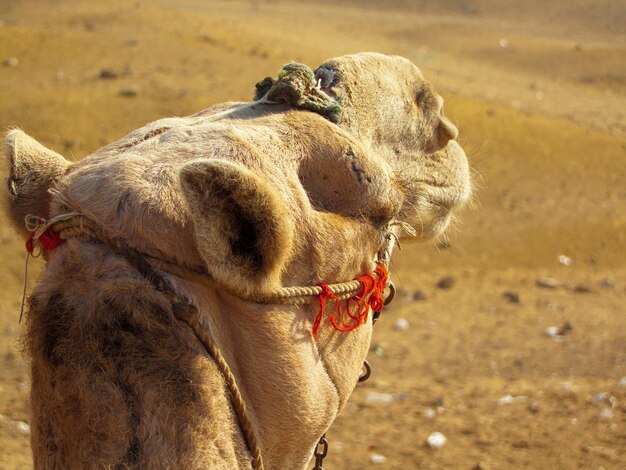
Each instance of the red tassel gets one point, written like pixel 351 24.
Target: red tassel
pixel 326 294
pixel 358 306
pixel 49 240
pixel 377 301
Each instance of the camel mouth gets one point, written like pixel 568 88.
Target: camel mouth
pixel 429 220
pixel 448 198
pixel 435 201
pixel 448 184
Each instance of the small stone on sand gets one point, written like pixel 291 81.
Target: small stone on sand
pixel 510 399
pixel 107 74
pixel 377 458
pixel 445 282
pixel 565 260
pixel 551 331
pixel 419 295
pixel 129 91
pixel 436 440
pixel 582 289
pixel 607 283
pixel 378 397
pixel 22 427
pixel 547 282
pixel 512 297
pixel 401 324
pixel 564 329
pixel 10 62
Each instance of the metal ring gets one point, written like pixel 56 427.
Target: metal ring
pixel 366 374
pixel 391 295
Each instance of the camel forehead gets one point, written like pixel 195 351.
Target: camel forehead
pixel 376 69
pixel 377 61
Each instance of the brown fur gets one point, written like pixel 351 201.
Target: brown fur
pixel 261 198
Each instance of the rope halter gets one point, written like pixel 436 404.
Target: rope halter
pixel 361 294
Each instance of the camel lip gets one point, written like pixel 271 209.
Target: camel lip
pixel 450 203
pixel 447 197
pixel 431 223
pixel 449 192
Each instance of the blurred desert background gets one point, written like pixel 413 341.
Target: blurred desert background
pixel 508 335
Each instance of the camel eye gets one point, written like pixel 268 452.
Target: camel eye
pixel 427 100
pixel 424 98
pixel 419 97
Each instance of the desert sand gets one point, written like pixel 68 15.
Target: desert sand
pixel 538 91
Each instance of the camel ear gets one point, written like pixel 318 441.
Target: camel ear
pixel 243 232
pixel 30 171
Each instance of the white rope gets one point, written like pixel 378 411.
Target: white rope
pixel 38 225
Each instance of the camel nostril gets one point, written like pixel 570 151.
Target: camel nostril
pixel 446 132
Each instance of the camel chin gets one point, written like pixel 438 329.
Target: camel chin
pixel 438 192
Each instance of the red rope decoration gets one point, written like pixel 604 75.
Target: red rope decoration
pixel 358 306
pixel 48 240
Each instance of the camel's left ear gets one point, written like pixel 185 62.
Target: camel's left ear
pixel 30 170
pixel 243 231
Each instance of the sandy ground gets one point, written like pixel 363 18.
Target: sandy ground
pixel 538 91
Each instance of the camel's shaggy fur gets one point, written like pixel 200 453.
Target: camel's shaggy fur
pixel 261 198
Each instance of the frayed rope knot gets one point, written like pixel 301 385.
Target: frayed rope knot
pixel 358 306
pixel 48 240
pixel 296 86
pixel 42 234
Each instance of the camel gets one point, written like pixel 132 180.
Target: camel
pixel 258 196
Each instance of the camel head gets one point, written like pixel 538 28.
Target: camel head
pixel 254 197
pixel 390 107
pixel 245 192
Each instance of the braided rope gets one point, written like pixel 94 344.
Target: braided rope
pixel 184 311
pixel 74 225
pixel 190 318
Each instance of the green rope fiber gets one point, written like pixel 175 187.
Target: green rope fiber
pixel 297 87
